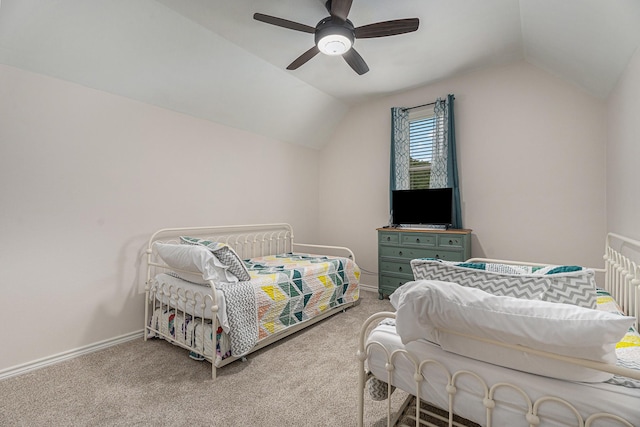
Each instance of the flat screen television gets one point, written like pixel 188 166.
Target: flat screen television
pixel 426 207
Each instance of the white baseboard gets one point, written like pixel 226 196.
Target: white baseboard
pixel 61 357
pixel 368 288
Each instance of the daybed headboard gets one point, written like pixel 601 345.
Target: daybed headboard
pixel 247 240
pixel 622 274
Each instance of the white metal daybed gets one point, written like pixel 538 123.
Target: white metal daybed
pixel 470 383
pixel 243 285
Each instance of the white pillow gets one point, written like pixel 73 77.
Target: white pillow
pixel 225 254
pixel 194 263
pixel 426 307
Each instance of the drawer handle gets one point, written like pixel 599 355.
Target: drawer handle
pixel 400 253
pixel 451 242
pixel 399 268
pixel 417 240
pixel 437 256
pixel 388 238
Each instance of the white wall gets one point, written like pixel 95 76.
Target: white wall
pixel 531 154
pixel 86 177
pixel 623 153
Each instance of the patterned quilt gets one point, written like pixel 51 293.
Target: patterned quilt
pixel 628 349
pixel 285 290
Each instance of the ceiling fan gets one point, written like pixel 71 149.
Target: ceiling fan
pixel 335 34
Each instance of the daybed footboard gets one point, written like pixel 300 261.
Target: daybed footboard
pixel 447 381
pixel 488 394
pixel 215 319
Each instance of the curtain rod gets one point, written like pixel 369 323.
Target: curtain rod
pixel 418 106
pixel 423 105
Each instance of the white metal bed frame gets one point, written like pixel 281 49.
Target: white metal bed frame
pixel 248 241
pixel 622 281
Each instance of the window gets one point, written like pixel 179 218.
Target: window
pixel 422 123
pixel 423 150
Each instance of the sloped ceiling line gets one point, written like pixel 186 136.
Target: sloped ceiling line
pixel 210 59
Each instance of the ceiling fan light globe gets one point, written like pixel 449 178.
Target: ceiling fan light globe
pixel 334 44
pixel 334 38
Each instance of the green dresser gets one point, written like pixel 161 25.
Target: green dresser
pixel 397 247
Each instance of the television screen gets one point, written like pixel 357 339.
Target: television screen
pixel 431 206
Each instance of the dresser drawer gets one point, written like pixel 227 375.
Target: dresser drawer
pixel 450 241
pixel 388 284
pixel 391 238
pixel 398 268
pixel 448 255
pixel 418 239
pixel 406 252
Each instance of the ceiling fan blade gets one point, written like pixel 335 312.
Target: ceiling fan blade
pixel 387 28
pixel 356 62
pixel 302 59
pixel 340 9
pixel 285 23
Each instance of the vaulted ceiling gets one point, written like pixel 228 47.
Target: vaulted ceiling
pixel 212 60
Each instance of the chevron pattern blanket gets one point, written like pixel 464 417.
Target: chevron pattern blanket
pixel 564 284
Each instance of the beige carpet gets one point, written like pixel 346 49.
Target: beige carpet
pixel 309 379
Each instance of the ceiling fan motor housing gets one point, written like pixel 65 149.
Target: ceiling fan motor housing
pixel 334 38
pixel 335 34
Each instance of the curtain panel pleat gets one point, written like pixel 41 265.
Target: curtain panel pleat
pixel 444 169
pixel 452 165
pixel 440 152
pixel 400 150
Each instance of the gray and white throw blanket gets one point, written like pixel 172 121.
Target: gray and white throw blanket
pixel 241 305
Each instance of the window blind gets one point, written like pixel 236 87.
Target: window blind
pixel 421 134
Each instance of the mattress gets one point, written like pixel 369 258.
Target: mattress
pixel 284 290
pixel 587 398
pixel 330 280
